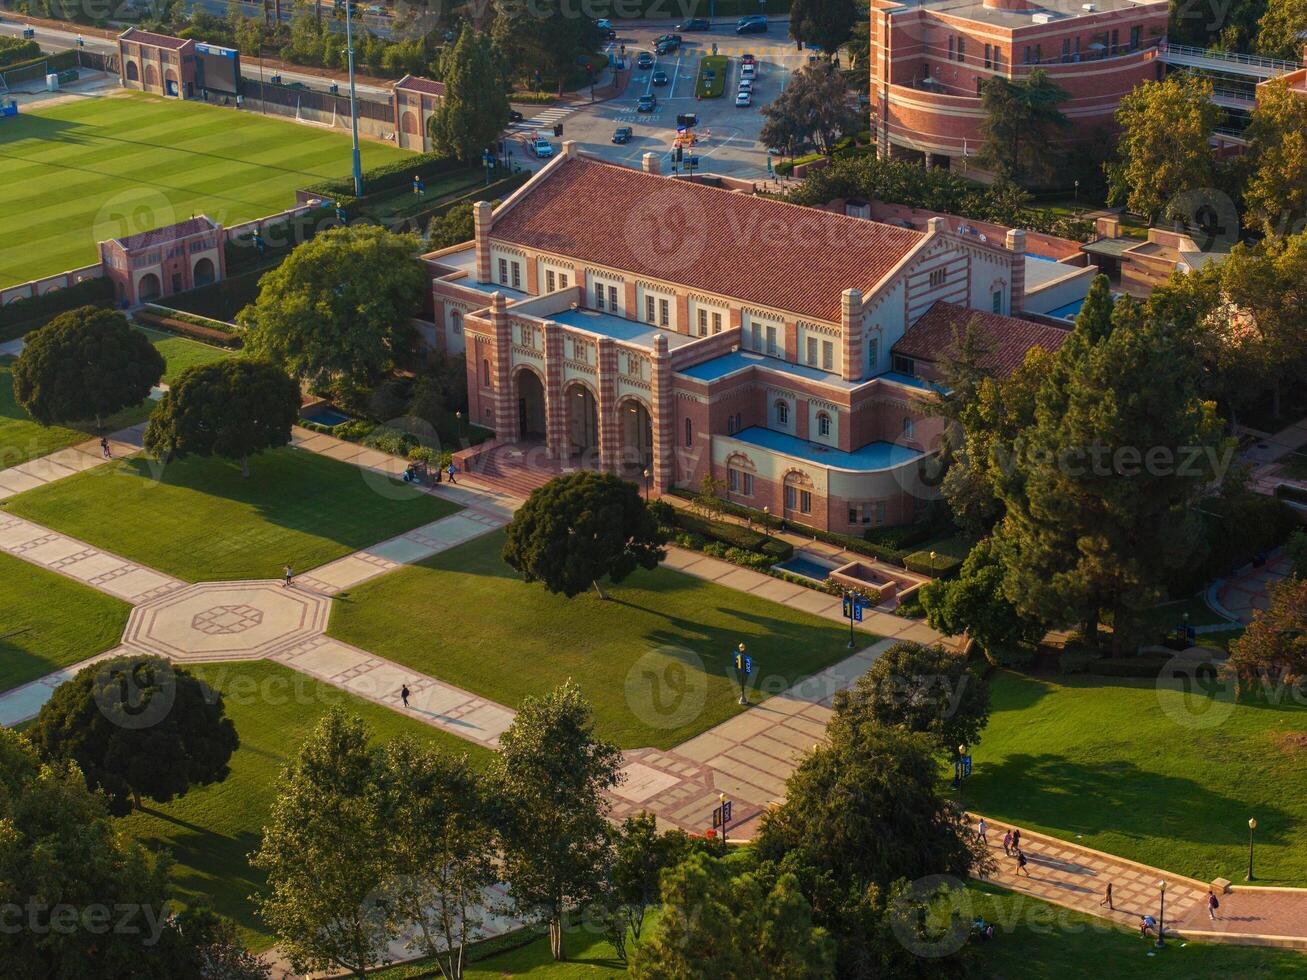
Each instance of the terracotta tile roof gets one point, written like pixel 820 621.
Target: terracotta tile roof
pixel 413 83
pixel 1008 338
pixel 156 40
pixel 749 248
pixel 168 233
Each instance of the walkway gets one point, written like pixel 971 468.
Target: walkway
pixel 1243 594
pixel 57 465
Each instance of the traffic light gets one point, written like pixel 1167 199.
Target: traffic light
pixel 680 155
pixel 687 119
pixel 558 129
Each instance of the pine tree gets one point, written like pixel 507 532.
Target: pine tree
pixel 474 109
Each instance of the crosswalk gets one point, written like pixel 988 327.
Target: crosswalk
pixel 545 119
pixel 734 51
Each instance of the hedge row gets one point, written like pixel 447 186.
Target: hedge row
pixel 221 300
pixel 14 50
pixel 57 62
pixel 941 566
pixel 734 535
pixel 279 237
pixel 187 326
pixel 899 536
pixel 387 177
pixel 24 315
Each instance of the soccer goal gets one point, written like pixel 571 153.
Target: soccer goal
pixel 25 78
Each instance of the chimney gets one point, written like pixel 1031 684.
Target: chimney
pixel 650 163
pixel 1016 244
pixel 851 334
pixel 570 148
pixel 1108 227
pixel 936 226
pixel 481 213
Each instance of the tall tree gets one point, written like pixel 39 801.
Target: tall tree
pixel 85 364
pixel 474 109
pixel 719 924
pixel 234 408
pixel 544 39
pixel 1276 193
pixel 1281 30
pixel 580 528
pixel 813 110
pixel 324 850
pixel 828 24
pixel 138 726
pixel 1021 120
pixel 1165 147
pixel 340 306
pixel 1274 646
pixel 552 775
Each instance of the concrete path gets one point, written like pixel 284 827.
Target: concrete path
pixel 57 465
pixel 1242 595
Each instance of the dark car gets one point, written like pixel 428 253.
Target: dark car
pixel 695 24
pixel 660 77
pixel 647 103
pixel 514 115
pixel 622 134
pixel 667 47
pixel 645 60
pixel 751 26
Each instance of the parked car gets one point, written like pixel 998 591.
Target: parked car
pixel 645 60
pixel 667 47
pixel 622 134
pixel 748 59
pixel 695 24
pixel 743 99
pixel 514 115
pixel 660 77
pixel 542 147
pixel 647 103
pixel 749 71
pixel 746 85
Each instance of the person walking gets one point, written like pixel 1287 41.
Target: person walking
pixel 982 829
pixel 450 470
pixel 1021 863
pixel 1007 843
pixel 403 694
pixel 1213 903
pixel 1016 838
pixel 289 576
pixel 104 447
pixel 1107 898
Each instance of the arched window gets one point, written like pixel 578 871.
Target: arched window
pixel 907 427
pixel 689 436
pixel 485 372
pixel 782 412
pixel 823 424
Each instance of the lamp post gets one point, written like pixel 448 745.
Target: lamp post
pixel 1252 825
pixel 647 474
pixel 850 602
pixel 721 801
pixel 960 770
pixel 1161 914
pixel 739 669
pixel 353 98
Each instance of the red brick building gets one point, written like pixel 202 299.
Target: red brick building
pixel 415 99
pixel 636 322
pixel 163 261
pixel 928 60
pixel 156 63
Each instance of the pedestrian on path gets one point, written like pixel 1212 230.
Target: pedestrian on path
pixel 1107 898
pixel 1213 903
pixel 450 471
pixel 1016 839
pixel 289 575
pixel 1147 924
pixel 1007 843
pixel 403 694
pixel 104 447
pixel 1021 863
pixel 982 829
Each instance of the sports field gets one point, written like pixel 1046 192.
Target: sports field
pixel 94 168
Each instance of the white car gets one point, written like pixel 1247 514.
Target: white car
pixel 748 71
pixel 743 99
pixel 746 85
pixel 542 147
pixel 604 25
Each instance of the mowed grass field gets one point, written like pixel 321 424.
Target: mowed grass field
pixel 106 166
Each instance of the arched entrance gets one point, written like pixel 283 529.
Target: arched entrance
pixel 151 76
pixel 582 421
pixel 133 73
pixel 148 288
pixel 203 272
pixel 530 405
pixel 635 434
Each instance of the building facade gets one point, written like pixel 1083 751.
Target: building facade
pixel 156 63
pixel 414 100
pixel 163 261
pixel 929 59
pixel 652 325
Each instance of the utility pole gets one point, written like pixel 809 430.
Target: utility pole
pixel 353 97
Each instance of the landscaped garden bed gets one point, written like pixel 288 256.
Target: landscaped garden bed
pixel 711 80
pixel 201 328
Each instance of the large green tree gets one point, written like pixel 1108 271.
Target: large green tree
pixel 1274 647
pixel 813 111
pixel 1281 30
pixel 1276 192
pixel 543 40
pixel 828 24
pixel 85 364
pixel 138 726
pixel 325 853
pixel 340 307
pixel 552 776
pixel 234 408
pixel 474 109
pixel 1164 149
pixel 1022 119
pixel 580 528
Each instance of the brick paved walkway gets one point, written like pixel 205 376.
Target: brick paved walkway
pixel 1240 596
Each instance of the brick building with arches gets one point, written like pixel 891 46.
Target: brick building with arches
pixel 620 319
pixel 414 100
pixel 162 261
pixel 156 63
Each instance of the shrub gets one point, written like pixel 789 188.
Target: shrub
pixel 941 566
pixel 749 559
pixel 1005 656
pixel 24 315
pixel 777 549
pixel 1147 665
pixel 16 49
pixel 900 536
pixel 1075 661
pixel 387 177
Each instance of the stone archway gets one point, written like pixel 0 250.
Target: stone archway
pixel 634 435
pixel 530 396
pixel 204 272
pixel 410 122
pixel 133 73
pixel 151 76
pixel 582 421
pixel 148 288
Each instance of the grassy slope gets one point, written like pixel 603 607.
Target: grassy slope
pixel 22 439
pixel 49 621
pixel 96 168
pixel 211 830
pixel 1123 766
pixel 200 520
pixel 465 617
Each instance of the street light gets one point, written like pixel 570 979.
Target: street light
pixel 960 770
pixel 353 99
pixel 1161 914
pixel 646 484
pixel 1252 825
pixel 739 669
pixel 721 801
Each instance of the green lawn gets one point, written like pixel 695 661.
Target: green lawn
pixel 22 439
pixel 48 621
pixel 200 520
pixel 211 830
pixel 653 659
pixel 711 88
pixel 103 167
pixel 1123 766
